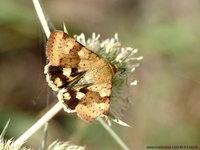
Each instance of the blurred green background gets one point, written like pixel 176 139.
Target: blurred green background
pixel 165 107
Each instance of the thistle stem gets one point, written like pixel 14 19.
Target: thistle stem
pixel 41 17
pixel 113 134
pixel 50 114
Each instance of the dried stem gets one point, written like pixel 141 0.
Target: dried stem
pixel 41 17
pixel 50 114
pixel 113 134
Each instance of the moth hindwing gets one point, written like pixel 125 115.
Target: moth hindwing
pixel 82 79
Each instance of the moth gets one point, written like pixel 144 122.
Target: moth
pixel 82 79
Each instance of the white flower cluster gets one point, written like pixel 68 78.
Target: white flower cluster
pixel 8 145
pixel 64 146
pixel 57 145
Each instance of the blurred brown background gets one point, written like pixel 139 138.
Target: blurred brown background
pixel 166 101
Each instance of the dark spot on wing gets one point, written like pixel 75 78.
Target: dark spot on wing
pixel 84 90
pixel 65 36
pixel 57 72
pixel 74 51
pixel 74 72
pixel 73 102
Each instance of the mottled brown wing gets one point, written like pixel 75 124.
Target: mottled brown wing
pixel 67 59
pixel 90 96
pixel 93 105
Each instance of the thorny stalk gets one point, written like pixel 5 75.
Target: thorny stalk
pixel 50 114
pixel 113 134
pixel 41 17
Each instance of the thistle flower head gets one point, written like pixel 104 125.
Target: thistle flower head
pixel 57 145
pixel 8 145
pixel 64 146
pixel 122 57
